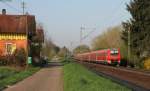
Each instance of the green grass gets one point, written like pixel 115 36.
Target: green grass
pixel 78 78
pixel 5 72
pixel 10 76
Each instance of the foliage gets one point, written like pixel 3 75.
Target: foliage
pixel 63 52
pixel 3 61
pixel 21 56
pixel 78 78
pixel 139 28
pixel 18 58
pixel 111 39
pixel 67 60
pixel 12 76
pixel 81 49
pixel 8 60
pixel 50 49
pixel 147 64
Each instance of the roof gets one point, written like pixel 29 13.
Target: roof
pixel 17 23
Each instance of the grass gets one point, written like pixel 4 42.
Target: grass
pixel 78 78
pixel 9 76
pixel 6 71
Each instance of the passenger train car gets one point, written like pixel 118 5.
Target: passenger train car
pixel 106 56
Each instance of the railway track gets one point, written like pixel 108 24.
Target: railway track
pixel 136 80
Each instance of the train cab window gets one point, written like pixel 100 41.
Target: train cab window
pixel 114 52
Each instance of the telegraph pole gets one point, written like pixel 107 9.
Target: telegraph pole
pixel 23 7
pixel 81 34
pixel 85 36
pixel 71 47
pixel 80 38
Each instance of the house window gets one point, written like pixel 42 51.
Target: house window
pixel 10 48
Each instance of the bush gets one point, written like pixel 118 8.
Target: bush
pixel 20 57
pixel 2 61
pixel 123 62
pixel 7 60
pixel 147 64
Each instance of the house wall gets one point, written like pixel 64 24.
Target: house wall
pixel 16 43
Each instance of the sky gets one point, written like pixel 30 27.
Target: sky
pixel 63 19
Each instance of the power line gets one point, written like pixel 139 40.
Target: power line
pixel 10 6
pixel 87 35
pixel 110 18
pixel 117 9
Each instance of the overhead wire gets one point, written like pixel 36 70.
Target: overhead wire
pixel 113 19
pixel 10 6
pixel 110 17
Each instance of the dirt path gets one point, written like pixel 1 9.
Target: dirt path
pixel 47 79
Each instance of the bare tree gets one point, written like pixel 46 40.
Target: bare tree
pixel 110 39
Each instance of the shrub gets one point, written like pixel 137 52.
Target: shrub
pixel 2 61
pixel 7 60
pixel 20 57
pixel 147 64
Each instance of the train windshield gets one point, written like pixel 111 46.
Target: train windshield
pixel 114 52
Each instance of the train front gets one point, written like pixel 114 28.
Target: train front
pixel 114 56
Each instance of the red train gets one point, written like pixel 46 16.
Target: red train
pixel 107 56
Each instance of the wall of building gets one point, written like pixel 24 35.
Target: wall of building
pixel 11 43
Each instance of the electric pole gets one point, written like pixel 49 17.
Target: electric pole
pixel 23 7
pixel 81 30
pixel 85 36
pixel 71 47
pixel 80 38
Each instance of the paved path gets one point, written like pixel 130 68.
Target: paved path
pixel 47 79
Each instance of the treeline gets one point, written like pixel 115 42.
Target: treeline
pixel 51 50
pixel 81 49
pixel 137 32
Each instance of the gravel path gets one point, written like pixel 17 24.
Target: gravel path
pixel 47 79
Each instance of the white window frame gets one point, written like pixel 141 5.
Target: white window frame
pixel 6 52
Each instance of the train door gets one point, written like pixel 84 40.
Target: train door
pixel 89 57
pixel 97 57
